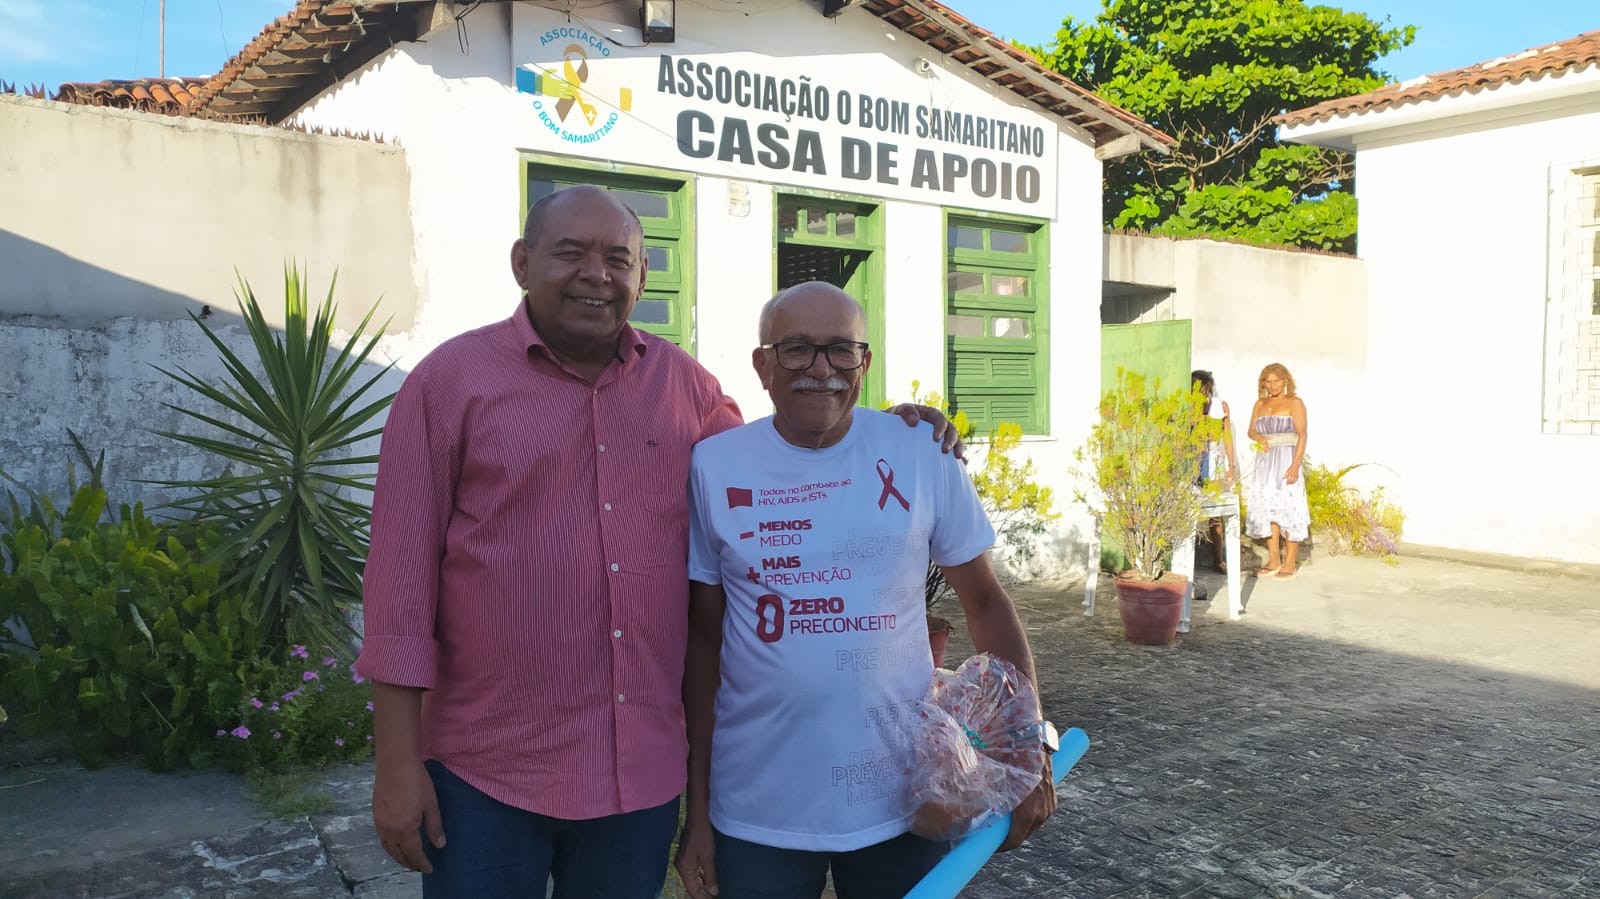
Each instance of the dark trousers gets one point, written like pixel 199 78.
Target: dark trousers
pixel 497 851
pixel 885 870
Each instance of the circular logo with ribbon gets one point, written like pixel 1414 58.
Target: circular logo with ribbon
pixel 572 101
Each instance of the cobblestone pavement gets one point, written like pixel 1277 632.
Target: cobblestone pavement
pixel 1273 757
pixel 1430 729
pixel 190 837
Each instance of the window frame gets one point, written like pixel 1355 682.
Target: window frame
pixel 1570 395
pixel 676 233
pixel 870 238
pixel 1034 307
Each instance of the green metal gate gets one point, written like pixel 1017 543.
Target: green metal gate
pixel 1155 350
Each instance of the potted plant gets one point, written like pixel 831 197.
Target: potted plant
pixel 1141 466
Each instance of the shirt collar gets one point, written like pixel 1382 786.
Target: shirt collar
pixel 630 342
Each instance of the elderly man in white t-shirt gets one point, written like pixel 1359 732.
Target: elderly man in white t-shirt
pixel 810 536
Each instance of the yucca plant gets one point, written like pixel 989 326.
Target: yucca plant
pixel 291 502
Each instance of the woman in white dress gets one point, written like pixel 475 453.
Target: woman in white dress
pixel 1276 493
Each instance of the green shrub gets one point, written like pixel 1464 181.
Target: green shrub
pixel 312 711
pixel 1143 459
pixel 1366 524
pixel 130 645
pixel 1019 508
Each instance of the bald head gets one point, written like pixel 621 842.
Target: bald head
pixel 810 301
pixel 552 203
pixel 813 358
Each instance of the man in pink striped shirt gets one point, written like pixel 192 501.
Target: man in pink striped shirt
pixel 526 595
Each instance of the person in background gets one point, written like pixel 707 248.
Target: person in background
pixel 1219 463
pixel 1276 491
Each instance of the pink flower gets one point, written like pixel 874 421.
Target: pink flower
pixel 256 702
pixel 369 705
pixel 289 696
pixel 299 652
pixel 356 676
pixel 329 662
pixel 277 735
pixel 241 732
pixel 273 707
pixel 338 741
pixel 309 676
pixel 222 733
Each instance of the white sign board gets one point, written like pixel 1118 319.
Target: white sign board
pixel 858 123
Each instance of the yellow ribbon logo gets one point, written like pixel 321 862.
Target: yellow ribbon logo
pixel 571 90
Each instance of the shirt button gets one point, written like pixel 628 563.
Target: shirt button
pixel 608 507
pixel 615 567
pixel 621 698
pixel 617 633
pixel 602 447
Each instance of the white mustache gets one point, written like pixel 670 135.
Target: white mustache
pixel 806 382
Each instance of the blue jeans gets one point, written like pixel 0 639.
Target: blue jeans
pixel 498 851
pixel 885 870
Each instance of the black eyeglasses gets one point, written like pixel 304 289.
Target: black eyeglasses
pixel 797 355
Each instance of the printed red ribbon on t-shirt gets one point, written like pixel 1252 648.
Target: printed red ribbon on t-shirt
pixel 886 475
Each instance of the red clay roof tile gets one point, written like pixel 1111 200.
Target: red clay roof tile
pixel 1572 54
pixel 144 94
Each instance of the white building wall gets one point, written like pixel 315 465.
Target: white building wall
pixel 1454 233
pixel 1252 306
pixel 116 225
pixel 464 128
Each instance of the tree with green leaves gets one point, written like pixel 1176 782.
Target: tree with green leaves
pixel 1212 74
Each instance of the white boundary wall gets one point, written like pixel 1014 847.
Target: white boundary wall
pixel 115 225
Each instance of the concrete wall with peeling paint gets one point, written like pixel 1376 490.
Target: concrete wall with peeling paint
pixel 115 225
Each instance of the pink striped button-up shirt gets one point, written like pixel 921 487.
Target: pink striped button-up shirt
pixel 528 565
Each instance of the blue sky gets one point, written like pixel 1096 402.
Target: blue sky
pixel 54 41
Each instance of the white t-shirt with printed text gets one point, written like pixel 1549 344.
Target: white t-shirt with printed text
pixel 823 556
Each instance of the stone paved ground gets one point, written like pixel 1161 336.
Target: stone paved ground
pixel 1346 738
pixel 1431 729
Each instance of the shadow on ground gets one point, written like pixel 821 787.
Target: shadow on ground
pixel 1248 760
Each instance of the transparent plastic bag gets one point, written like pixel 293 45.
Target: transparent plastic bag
pixel 972 748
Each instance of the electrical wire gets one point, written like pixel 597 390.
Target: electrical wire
pixel 461 28
pixel 227 48
pixel 138 41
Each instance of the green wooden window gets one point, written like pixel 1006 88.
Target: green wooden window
pixel 996 322
pixel 838 240
pixel 664 205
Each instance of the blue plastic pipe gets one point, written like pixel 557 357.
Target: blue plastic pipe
pixel 963 861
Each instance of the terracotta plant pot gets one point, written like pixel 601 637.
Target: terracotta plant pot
pixel 1151 609
pixel 938 638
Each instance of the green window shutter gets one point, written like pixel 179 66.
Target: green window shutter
pixel 996 316
pixel 664 204
pixel 839 240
